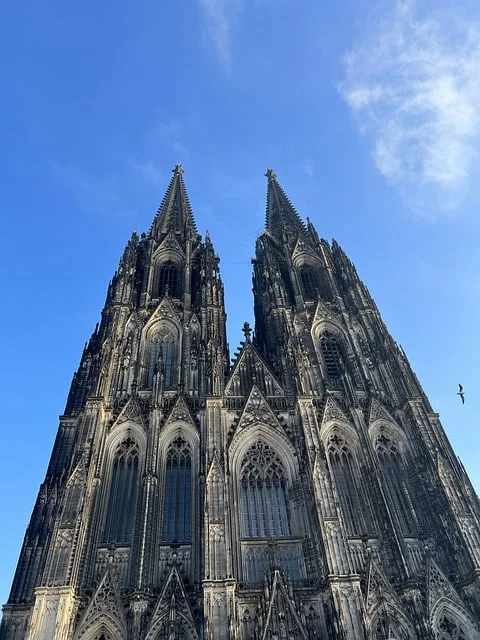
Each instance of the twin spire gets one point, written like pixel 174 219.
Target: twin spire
pixel 175 213
pixel 281 215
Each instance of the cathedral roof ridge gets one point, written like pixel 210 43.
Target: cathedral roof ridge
pixel 248 354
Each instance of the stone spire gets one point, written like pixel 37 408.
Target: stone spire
pixel 174 213
pixel 281 215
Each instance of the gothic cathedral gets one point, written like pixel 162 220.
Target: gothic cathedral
pixel 303 490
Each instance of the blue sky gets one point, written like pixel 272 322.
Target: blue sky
pixel 367 112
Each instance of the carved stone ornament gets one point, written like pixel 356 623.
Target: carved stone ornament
pixel 378 412
pixel 333 412
pixel 282 619
pixel 172 604
pixel 257 410
pixel 169 245
pixel 131 412
pixel 180 413
pixel 106 602
pixel 250 362
pixel 439 587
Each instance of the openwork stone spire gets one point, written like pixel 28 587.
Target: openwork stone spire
pixel 281 214
pixel 175 213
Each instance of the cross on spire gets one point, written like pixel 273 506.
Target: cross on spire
pixel 247 331
pixel 177 170
pixel 270 174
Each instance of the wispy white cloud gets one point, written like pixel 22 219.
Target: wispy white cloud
pixel 414 86
pixel 219 16
pixel 308 168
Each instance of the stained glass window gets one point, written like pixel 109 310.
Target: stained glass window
pixel 177 505
pixel 264 494
pixel 350 495
pixel 122 499
pixel 168 280
pixel 396 478
pixel 162 359
pixel 309 282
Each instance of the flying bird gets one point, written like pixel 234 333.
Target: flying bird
pixel 461 393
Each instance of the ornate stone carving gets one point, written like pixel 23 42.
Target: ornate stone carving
pixel 257 410
pixel 333 411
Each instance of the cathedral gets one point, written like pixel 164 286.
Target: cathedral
pixel 303 489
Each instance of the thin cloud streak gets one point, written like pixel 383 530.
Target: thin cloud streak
pixel 413 86
pixel 219 16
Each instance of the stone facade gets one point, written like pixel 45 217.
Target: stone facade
pixel 306 490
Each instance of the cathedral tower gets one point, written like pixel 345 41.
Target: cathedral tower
pixel 305 491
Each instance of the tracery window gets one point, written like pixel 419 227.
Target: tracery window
pixel 449 629
pixel 196 285
pixel 345 475
pixel 168 280
pixel 332 358
pixel 177 504
pixel 314 283
pixel 161 360
pixel 309 281
pixel 123 494
pixel 264 494
pixel 396 478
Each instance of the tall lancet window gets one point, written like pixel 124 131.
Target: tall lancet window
pixel 123 494
pixel 397 481
pixel 177 502
pixel 168 280
pixel 161 360
pixel 332 359
pixel 309 281
pixel 264 494
pixel 346 479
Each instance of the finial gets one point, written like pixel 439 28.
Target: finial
pixel 271 175
pixel 247 331
pixel 177 170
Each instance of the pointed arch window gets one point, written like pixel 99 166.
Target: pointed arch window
pixel 264 494
pixel 450 629
pixel 196 285
pixel 177 503
pixel 123 494
pixel 168 280
pixel 350 495
pixel 397 481
pixel 333 359
pixel 314 283
pixel 309 282
pixel 161 360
